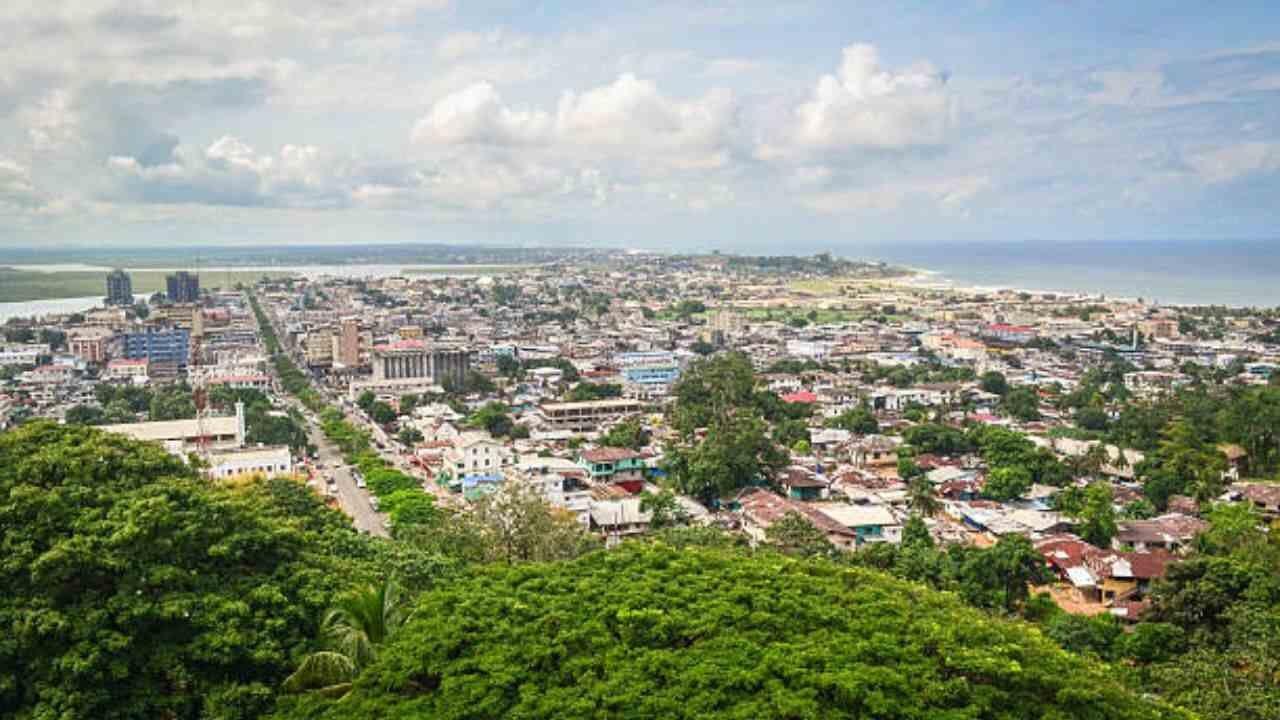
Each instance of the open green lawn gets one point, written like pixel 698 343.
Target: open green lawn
pixel 24 285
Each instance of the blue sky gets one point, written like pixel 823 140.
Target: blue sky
pixel 752 126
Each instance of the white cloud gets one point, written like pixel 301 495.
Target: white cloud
pixel 1233 161
pixel 865 105
pixel 951 195
pixel 231 172
pixel 477 114
pixel 17 191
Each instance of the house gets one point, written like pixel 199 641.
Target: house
pixel 874 451
pixel 803 484
pixel 1170 532
pixel 1264 497
pixel 618 518
pixel 616 466
pixel 761 508
pixel 869 522
pixel 475 453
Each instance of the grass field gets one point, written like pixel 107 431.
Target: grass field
pixel 24 285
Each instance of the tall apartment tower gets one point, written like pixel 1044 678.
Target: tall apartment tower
pixel 119 288
pixel 183 287
pixel 349 342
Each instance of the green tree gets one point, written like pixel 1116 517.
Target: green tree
pixel 664 509
pixel 354 630
pixel 493 418
pixel 793 534
pixel 134 588
pixel 921 498
pixel 629 433
pixel 576 639
pixel 994 382
pixel 1006 483
pixel 85 415
pixel 1098 516
pixel 859 420
pixel 1021 403
pixel 735 453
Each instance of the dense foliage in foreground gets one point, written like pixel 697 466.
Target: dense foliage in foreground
pixel 654 631
pixel 133 588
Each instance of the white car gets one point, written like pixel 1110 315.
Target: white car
pixel 360 483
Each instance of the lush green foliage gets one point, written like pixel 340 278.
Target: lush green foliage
pixel 134 589
pixel 652 631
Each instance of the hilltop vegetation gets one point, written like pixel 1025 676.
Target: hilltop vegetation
pixel 134 588
pixel 659 632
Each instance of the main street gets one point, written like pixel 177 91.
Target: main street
pixel 351 499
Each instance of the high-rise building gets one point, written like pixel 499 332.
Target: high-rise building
pixel 183 287
pixel 119 288
pixel 349 342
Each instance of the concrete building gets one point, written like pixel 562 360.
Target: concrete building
pixel 182 287
pixel 90 344
pixel 185 436
pixel 348 343
pixel 319 347
pixel 268 461
pixel 22 354
pixel 159 346
pixel 587 416
pixel 119 288
pixel 415 360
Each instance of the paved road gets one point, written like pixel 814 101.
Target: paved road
pixel 353 501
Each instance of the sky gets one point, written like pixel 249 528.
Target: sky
pixel 750 126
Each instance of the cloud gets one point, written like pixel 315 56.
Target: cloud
pixel 951 195
pixel 230 172
pixel 1235 161
pixel 17 192
pixel 477 114
pixel 864 105
pixel 629 113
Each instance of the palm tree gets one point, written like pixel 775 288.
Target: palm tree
pixel 921 498
pixel 354 630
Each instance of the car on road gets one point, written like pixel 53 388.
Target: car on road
pixel 373 500
pixel 360 483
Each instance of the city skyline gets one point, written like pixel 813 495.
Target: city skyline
pixel 754 125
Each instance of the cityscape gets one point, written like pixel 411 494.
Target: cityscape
pixel 711 360
pixel 811 406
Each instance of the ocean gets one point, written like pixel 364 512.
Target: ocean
pixel 1238 273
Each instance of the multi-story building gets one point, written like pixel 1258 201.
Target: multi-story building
pixel 348 343
pixel 182 287
pixel 119 288
pixel 615 466
pixel 319 347
pixel 171 346
pixel 22 354
pixel 587 416
pixel 90 344
pixel 413 359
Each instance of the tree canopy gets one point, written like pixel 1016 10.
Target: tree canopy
pixel 135 589
pixel 654 631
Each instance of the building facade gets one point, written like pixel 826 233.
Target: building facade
pixel 182 287
pixel 159 346
pixel 119 288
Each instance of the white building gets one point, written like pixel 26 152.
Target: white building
pixel 269 461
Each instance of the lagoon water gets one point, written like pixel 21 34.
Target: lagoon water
pixel 38 308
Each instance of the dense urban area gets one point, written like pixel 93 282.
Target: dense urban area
pixel 638 485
